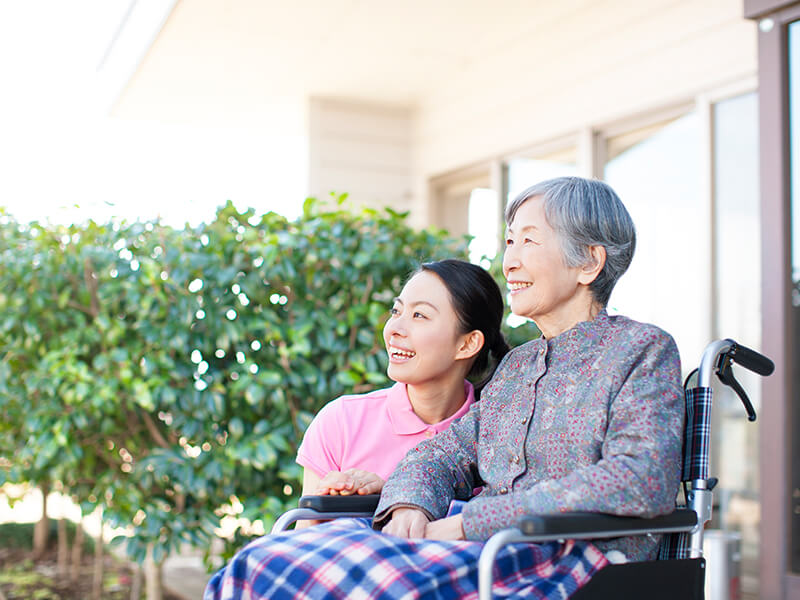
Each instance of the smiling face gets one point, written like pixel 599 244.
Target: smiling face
pixel 542 287
pixel 423 337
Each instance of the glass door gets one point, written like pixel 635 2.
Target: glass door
pixel 794 288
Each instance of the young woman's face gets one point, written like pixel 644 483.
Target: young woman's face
pixel 422 334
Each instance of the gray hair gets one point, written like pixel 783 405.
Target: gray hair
pixel 584 213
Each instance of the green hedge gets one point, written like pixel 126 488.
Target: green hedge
pixel 157 372
pixel 20 535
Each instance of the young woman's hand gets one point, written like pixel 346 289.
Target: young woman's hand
pixel 349 482
pixel 450 528
pixel 406 523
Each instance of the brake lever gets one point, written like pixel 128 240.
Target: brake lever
pixel 725 374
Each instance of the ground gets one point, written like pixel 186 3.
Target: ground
pixel 23 579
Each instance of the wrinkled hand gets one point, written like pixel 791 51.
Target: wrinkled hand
pixel 450 528
pixel 349 482
pixel 406 523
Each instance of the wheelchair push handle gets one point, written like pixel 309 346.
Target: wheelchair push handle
pixel 750 359
pixel 718 358
pixel 721 351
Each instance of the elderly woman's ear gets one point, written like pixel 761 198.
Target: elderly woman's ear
pixel 594 265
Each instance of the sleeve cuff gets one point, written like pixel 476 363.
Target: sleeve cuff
pixel 484 516
pixel 384 516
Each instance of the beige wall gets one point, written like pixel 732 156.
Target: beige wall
pixel 599 62
pixel 362 149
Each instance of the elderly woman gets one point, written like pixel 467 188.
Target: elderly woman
pixel 588 417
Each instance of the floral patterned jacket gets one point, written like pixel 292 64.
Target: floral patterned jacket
pixel 591 420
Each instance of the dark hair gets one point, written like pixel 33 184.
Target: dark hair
pixel 478 304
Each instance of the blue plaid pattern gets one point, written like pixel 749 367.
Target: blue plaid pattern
pixel 697 436
pixel 347 559
pixel 695 460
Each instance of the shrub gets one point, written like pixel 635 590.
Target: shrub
pixel 167 375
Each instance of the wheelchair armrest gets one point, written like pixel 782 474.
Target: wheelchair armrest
pixel 588 525
pixel 338 504
pixel 326 508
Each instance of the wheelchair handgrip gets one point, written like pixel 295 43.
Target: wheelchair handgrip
pixel 751 360
pixel 355 503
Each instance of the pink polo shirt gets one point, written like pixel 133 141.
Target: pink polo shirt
pixel 372 432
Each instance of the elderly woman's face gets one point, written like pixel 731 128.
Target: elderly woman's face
pixel 541 286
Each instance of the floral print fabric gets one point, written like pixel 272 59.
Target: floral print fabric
pixel 591 420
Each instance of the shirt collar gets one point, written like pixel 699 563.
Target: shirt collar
pixel 583 328
pixel 406 422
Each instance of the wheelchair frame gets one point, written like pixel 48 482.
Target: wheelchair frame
pixel 641 577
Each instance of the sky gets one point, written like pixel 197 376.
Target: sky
pixel 64 159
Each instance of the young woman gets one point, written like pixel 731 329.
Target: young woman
pixel 586 418
pixel 443 327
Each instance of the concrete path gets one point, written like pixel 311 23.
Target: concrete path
pixel 185 576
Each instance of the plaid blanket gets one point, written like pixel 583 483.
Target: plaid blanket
pixel 347 559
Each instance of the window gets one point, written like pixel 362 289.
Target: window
pixel 451 195
pixel 484 225
pixel 737 314
pixel 524 172
pixel 656 172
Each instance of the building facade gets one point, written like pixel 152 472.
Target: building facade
pixel 447 110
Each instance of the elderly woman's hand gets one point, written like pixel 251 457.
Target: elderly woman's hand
pixel 406 523
pixel 450 528
pixel 349 482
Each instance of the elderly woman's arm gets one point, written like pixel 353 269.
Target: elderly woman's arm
pixel 639 470
pixel 435 472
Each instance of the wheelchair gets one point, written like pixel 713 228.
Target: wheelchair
pixel 679 570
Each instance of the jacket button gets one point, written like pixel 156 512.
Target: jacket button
pixel 503 490
pixel 515 460
pixel 524 420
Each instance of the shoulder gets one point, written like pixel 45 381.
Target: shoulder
pixel 640 345
pixel 518 357
pixel 343 414
pixel 623 329
pixel 352 405
pixel 512 369
pixel 522 353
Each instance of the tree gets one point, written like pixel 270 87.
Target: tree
pixel 165 376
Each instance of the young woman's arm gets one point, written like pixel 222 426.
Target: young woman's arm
pixel 310 484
